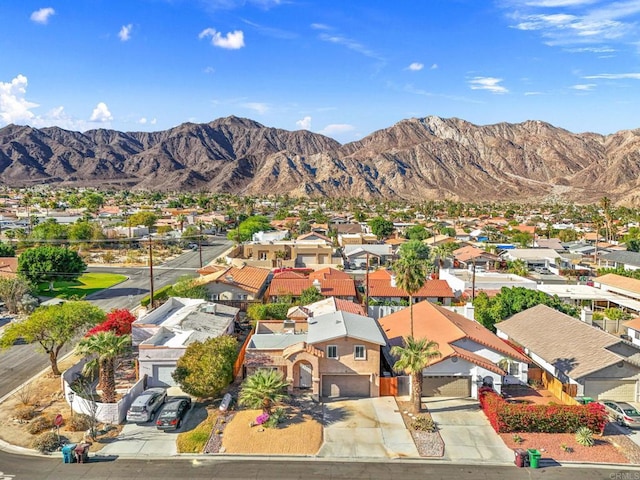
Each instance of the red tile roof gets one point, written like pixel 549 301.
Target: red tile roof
pixel 329 273
pixel 379 285
pixel 251 279
pixel 331 284
pixel 8 267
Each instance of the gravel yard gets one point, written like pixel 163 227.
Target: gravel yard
pixel 428 444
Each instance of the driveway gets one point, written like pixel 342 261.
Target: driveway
pixel 365 428
pixel 466 432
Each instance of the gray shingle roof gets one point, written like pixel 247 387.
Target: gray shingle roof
pixel 343 324
pixel 622 256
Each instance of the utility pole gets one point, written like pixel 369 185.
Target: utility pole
pixel 473 282
pixel 366 291
pixel 200 245
pixel 152 303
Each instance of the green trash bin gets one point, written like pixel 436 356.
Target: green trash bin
pixel 534 457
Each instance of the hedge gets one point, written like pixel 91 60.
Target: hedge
pixel 161 294
pixel 268 311
pixel 509 417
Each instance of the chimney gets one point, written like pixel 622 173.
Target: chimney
pixel 316 284
pixel 393 281
pixel 586 315
pixel 469 311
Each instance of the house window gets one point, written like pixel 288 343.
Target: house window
pixel 514 368
pixel 360 353
pixel 262 255
pixel 332 351
pixel 213 297
pixel 240 296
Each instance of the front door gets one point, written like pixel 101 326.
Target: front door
pixel 305 375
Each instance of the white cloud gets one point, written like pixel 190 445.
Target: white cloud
pixel 125 32
pixel 415 67
pixel 14 107
pixel 434 66
pixel 101 113
pixel 42 15
pixel 584 87
pixel 337 128
pixel 487 83
pixel 559 3
pixel 153 121
pixel 260 108
pixel 528 94
pixel 350 44
pixel 320 26
pixel 614 76
pixel 305 123
pixel 209 70
pixel 231 41
pixel 142 121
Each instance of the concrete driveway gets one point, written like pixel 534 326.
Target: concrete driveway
pixel 365 428
pixel 466 432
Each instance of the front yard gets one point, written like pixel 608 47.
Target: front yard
pixel 86 284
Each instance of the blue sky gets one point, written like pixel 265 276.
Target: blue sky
pixel 344 68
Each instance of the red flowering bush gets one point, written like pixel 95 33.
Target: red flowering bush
pixel 118 321
pixel 506 417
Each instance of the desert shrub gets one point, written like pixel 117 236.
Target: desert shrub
pixel 79 422
pixel 584 437
pixel 195 440
pixel 25 394
pixel 517 438
pixel 25 412
pixel 46 442
pixel 40 424
pixel 161 295
pixel 423 423
pixel 277 416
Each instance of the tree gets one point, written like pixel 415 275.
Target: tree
pixel 524 239
pixel 245 230
pixel 206 368
pixel 188 287
pixel 414 248
pixel 7 250
pixel 380 227
pixel 50 264
pixel 48 231
pixel 310 295
pixel 411 275
pixel 105 347
pixel 12 291
pixel 518 267
pixel 413 357
pixel 118 321
pixel 417 232
pixel 181 218
pixel 146 218
pixel 263 389
pixel 633 245
pixel 52 327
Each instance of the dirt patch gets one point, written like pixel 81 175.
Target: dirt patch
pixel 428 444
pixel 300 434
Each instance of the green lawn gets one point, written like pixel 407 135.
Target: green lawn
pixel 85 285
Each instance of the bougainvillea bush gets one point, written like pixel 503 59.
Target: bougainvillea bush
pixel 509 417
pixel 117 321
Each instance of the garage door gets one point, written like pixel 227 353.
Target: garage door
pixel 305 260
pixel 620 390
pixel 446 386
pixel 345 386
pixel 162 377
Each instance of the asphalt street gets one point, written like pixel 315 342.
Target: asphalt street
pixel 16 467
pixel 21 362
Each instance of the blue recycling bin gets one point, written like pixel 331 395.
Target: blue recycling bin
pixel 67 453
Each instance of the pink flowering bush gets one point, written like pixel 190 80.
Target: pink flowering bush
pixel 262 418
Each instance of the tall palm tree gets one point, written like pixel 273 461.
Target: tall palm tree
pixel 106 346
pixel 413 357
pixel 263 389
pixel 411 275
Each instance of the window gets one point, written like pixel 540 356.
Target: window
pixel 332 351
pixel 514 368
pixel 360 353
pixel 213 297
pixel 262 255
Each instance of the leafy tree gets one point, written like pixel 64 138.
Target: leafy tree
pixel 411 275
pixel 118 321
pixel 92 201
pixel 263 389
pixel 414 248
pixel 518 267
pixel 523 239
pixel 105 347
pixel 48 231
pixel 50 264
pixel 7 250
pixel 414 356
pixel 82 231
pixel 616 314
pixel 248 227
pixel 52 327
pixel 381 227
pixel 310 295
pixel 144 217
pixel 188 287
pixel 633 245
pixel 417 232
pixel 268 311
pixel 12 291
pixel 206 368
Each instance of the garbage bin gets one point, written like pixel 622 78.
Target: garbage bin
pixel 522 457
pixel 81 452
pixel 534 457
pixel 67 453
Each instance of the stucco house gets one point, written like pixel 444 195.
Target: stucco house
pixel 382 287
pixel 471 354
pixel 329 282
pixel 331 355
pixel 234 283
pixel 163 335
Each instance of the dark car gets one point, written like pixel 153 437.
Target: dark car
pixel 172 413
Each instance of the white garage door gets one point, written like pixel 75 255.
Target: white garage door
pixel 620 390
pixel 305 260
pixel 162 377
pixel 345 386
pixel 446 386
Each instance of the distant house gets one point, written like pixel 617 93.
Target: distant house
pixel 328 305
pixel 633 330
pixel 620 259
pixel 234 283
pixel 469 255
pixel 8 267
pixel 328 281
pixel 382 287
pixel 624 286
pixel 355 256
pixel 163 335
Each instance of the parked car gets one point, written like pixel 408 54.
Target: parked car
pixel 173 412
pixel 146 405
pixel 622 413
pixel 542 270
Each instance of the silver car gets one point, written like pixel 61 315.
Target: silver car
pixel 146 404
pixel 622 413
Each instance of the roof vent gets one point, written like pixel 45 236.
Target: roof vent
pixel 229 278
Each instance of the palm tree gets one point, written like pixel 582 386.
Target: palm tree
pixel 263 389
pixel 411 275
pixel 181 218
pixel 413 357
pixel 106 347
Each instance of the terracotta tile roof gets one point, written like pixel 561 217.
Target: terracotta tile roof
pixel 8 267
pixel 633 323
pixel 328 288
pixel 315 234
pixel 329 273
pixel 251 279
pixel 526 228
pixel 379 284
pixel 350 307
pixel 619 281
pixel 470 252
pixel 446 328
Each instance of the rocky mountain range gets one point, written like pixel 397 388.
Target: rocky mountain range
pixel 415 159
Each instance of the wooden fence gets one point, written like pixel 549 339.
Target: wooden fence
pixel 388 386
pixel 564 392
pixel 237 367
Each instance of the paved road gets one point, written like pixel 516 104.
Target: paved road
pixel 16 467
pixel 21 362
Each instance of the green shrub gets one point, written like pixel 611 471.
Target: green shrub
pixel 79 422
pixel 46 442
pixel 195 440
pixel 268 311
pixel 161 294
pixel 423 423
pixel 40 424
pixel 276 417
pixel 584 437
pixel 25 412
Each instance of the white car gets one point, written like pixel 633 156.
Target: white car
pixel 146 405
